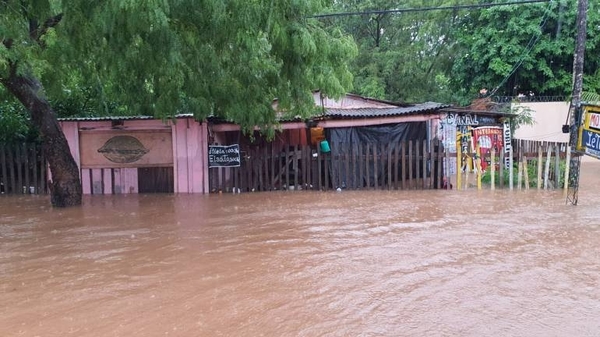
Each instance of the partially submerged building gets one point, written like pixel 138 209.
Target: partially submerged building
pixel 354 142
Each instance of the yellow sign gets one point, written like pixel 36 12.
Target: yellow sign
pixel 589 132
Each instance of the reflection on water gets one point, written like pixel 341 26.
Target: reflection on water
pixel 418 263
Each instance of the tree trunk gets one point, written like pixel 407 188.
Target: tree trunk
pixel 65 187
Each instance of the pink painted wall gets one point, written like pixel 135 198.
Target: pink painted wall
pixel 190 151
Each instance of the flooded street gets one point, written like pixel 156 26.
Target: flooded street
pixel 398 263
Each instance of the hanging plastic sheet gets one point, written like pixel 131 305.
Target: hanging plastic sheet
pixel 353 140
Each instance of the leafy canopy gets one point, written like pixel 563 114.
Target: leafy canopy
pixel 449 55
pixel 219 58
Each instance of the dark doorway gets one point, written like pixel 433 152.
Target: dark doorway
pixel 155 180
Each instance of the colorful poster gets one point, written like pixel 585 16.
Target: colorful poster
pixel 487 138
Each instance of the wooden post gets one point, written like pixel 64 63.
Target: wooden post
pixel 557 166
pixel 11 167
pixel 389 166
pixel 539 167
pixel 493 168
pixel 478 166
pixel 361 167
pixel 547 169
pixel 3 167
pixel 403 165
pixel 410 164
pixel 446 165
pixel 319 167
pixel 396 167
pixel 440 149
pixel 502 167
pixel 367 166
pixel 458 161
pixel 520 174
pixel 510 169
pixel 568 160
pixel 417 161
pixel 375 167
pixel 526 172
pixel 425 180
pixel 467 171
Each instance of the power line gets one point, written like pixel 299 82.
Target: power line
pixel 532 42
pixel 426 9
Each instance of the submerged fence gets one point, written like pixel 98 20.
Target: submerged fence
pixel 408 165
pixel 405 166
pixel 22 169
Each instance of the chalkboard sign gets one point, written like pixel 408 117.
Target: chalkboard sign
pixel 223 156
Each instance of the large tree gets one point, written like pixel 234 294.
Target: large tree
pixel 450 53
pixel 521 49
pixel 403 56
pixel 226 58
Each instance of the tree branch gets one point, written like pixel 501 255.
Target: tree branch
pixel 36 31
pixel 7 43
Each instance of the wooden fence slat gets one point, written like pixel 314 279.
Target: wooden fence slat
pixel 439 147
pixel 19 162
pixel 360 161
pixel 539 167
pixel 396 165
pixel 526 172
pixel 567 161
pixel 35 166
pixel 327 162
pixel 354 169
pixel 557 166
pixel 389 167
pixel 404 165
pixel 410 164
pixel 25 153
pixel 3 164
pixel 547 168
pixel 44 170
pixel 367 167
pixel 11 160
pixel 425 182
pixel 417 166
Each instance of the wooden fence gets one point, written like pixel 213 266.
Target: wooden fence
pixel 534 164
pixel 22 169
pixel 405 166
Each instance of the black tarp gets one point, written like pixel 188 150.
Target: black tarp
pixel 345 142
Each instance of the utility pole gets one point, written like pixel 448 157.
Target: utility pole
pixel 575 107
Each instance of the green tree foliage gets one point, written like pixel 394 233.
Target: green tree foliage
pixel 14 123
pixel 402 56
pixel 449 55
pixel 219 58
pixel 227 59
pixel 524 49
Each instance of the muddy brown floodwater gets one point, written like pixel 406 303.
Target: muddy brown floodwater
pixel 417 263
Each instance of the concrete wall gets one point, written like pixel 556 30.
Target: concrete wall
pixel 549 118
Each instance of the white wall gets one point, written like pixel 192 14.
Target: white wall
pixel 549 118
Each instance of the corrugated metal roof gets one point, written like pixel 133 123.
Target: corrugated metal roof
pixel 115 118
pixel 329 113
pixel 383 112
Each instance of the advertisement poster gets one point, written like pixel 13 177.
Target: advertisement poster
pixel 487 138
